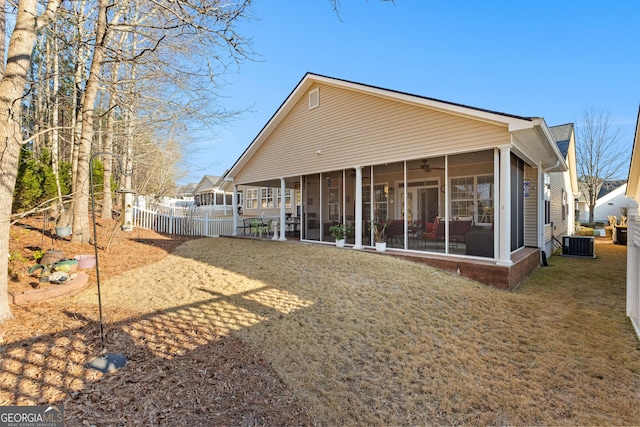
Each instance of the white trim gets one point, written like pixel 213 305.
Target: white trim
pixel 504 255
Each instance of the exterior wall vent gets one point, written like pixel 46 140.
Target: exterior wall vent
pixel 578 246
pixel 314 98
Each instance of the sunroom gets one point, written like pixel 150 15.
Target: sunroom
pixel 447 181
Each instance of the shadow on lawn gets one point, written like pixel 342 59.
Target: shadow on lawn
pixel 183 367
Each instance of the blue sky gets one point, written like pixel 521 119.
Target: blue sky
pixel 548 59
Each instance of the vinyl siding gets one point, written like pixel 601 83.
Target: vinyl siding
pixel 531 204
pixel 557 184
pixel 351 128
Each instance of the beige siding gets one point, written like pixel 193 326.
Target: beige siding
pixel 351 128
pixel 558 183
pixel 531 204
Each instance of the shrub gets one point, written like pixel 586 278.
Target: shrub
pixel 585 231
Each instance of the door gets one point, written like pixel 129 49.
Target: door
pixel 422 204
pixel 428 202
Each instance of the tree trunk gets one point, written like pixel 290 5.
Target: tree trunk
pixel 81 229
pixel 11 89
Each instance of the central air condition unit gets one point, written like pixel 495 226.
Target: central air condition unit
pixel 578 246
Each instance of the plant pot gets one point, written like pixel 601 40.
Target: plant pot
pixel 340 243
pixel 381 246
pixel 86 261
pixel 63 231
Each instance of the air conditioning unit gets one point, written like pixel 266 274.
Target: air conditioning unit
pixel 578 246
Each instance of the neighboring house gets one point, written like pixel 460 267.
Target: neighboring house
pixel 611 199
pixel 612 203
pixel 207 193
pixel 633 234
pixel 463 188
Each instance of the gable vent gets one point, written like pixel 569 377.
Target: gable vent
pixel 314 98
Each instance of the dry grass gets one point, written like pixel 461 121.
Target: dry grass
pixel 361 338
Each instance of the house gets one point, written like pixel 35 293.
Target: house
pixel 633 234
pixel 612 201
pixel 208 194
pixel 460 187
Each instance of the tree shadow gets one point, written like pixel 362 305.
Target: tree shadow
pixel 184 367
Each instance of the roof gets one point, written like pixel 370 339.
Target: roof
pixel 207 183
pixel 426 98
pixel 528 129
pixel 562 135
pixel 608 186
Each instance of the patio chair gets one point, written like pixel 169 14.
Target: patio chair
pixel 395 230
pixel 245 227
pixel 458 230
pixel 436 233
pixel 258 227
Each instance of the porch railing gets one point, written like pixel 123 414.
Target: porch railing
pixel 182 224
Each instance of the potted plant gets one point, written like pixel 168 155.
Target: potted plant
pixel 340 232
pixel 379 234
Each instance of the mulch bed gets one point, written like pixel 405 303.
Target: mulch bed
pixel 190 376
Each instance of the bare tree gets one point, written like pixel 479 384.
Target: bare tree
pixel 81 229
pixel 598 154
pixel 12 87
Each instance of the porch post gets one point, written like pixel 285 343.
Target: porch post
pixel 283 200
pixel 235 210
pixel 224 202
pixel 358 202
pixel 504 254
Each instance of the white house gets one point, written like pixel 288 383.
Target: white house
pixel 209 195
pixel 612 198
pixel 633 234
pixel 464 188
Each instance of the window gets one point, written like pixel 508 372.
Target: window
pixel 252 199
pixel 564 205
pixel 485 194
pixel 266 198
pixel 547 199
pixel 287 198
pixel 366 202
pixel 380 193
pixel 462 197
pixel 469 192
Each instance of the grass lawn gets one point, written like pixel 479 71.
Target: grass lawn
pixel 361 338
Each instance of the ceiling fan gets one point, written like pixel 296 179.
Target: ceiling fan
pixel 426 167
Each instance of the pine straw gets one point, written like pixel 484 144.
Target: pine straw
pixel 363 338
pixel 342 337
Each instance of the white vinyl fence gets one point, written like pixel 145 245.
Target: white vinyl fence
pixel 633 266
pixel 183 222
